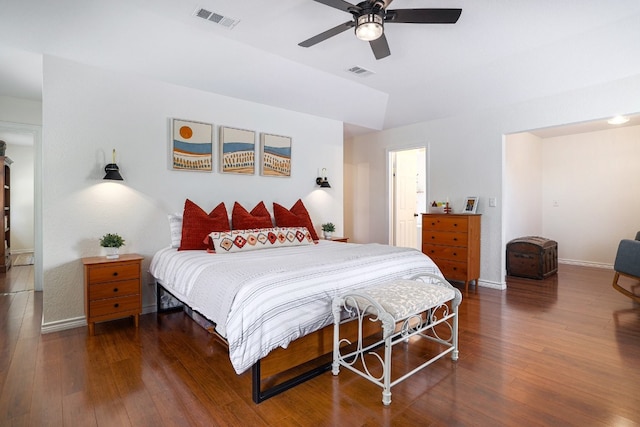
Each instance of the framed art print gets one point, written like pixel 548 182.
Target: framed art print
pixel 192 145
pixel 237 151
pixel 275 155
pixel 470 205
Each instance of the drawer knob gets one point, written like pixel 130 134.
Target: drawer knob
pixel 115 289
pixel 115 273
pixel 455 239
pixel 455 225
pixel 454 254
pixel 116 305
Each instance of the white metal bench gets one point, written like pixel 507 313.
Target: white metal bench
pixel 405 308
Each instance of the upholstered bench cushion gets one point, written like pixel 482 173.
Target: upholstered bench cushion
pixel 402 297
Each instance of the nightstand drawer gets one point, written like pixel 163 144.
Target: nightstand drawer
pixel 114 306
pixel 114 289
pixel 112 272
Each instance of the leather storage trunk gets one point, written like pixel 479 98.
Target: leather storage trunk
pixel 532 257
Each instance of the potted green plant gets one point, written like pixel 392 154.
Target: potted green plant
pixel 327 229
pixel 112 241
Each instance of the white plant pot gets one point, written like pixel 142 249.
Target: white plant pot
pixel 327 234
pixel 113 253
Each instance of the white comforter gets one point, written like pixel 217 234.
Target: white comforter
pixel 261 300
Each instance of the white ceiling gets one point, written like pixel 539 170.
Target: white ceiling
pixel 499 53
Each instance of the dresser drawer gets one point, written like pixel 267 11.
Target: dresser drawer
pixel 114 289
pixel 453 270
pixel 443 238
pixel 113 272
pixel 114 306
pixel 445 223
pixel 454 253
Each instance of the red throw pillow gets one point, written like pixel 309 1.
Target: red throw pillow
pixel 196 225
pixel 297 216
pixel 259 217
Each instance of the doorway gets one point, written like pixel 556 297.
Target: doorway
pixel 408 196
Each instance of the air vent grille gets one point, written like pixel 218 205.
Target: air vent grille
pixel 216 18
pixel 359 71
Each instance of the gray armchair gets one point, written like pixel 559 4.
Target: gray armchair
pixel 627 264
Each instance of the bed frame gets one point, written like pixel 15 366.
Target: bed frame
pixel 282 369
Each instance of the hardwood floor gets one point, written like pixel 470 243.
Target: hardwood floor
pixel 563 351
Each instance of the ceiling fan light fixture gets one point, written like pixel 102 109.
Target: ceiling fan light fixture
pixel 369 27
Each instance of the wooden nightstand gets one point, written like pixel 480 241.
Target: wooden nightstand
pixel 112 288
pixel 339 239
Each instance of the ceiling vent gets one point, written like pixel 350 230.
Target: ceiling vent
pixel 359 71
pixel 216 18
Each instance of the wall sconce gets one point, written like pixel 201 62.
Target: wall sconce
pixel 112 170
pixel 322 180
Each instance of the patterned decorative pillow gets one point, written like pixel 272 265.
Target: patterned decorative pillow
pixel 175 228
pixel 225 242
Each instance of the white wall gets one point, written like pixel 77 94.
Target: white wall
pixel 466 159
pixel 522 199
pixel 22 197
pixel 595 179
pixel 18 110
pixel 88 112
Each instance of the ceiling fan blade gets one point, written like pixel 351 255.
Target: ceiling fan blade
pixel 423 16
pixel 327 34
pixel 340 4
pixel 380 47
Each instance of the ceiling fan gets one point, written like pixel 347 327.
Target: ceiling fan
pixel 370 16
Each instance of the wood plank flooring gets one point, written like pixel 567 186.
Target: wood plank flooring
pixel 563 351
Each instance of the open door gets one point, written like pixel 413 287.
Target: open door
pixel 407 196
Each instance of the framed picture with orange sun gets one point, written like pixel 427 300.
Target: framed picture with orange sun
pixel 192 145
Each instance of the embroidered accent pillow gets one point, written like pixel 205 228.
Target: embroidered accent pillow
pixel 225 242
pixel 197 224
pixel 297 216
pixel 175 229
pixel 259 217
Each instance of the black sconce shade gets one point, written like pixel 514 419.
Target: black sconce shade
pixel 112 170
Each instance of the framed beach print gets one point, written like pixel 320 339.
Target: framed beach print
pixel 470 205
pixel 237 151
pixel 191 147
pixel 275 155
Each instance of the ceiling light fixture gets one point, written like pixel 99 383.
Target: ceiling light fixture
pixel 618 120
pixel 369 27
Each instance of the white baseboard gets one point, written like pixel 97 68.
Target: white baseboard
pixel 63 325
pixel 493 285
pixel 585 263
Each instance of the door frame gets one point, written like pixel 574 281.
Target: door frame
pixel 389 181
pixel 36 132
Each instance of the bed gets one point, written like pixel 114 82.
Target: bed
pixel 264 301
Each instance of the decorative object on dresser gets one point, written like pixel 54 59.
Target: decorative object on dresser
pixel 452 241
pixel 327 230
pixel 532 257
pixel 470 205
pixel 5 182
pixel 112 288
pixel 112 242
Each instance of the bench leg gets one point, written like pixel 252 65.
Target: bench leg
pixel 454 333
pixel 386 389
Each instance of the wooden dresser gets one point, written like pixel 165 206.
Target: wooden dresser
pixel 112 288
pixel 452 241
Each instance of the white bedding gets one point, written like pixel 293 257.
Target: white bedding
pixel 261 300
